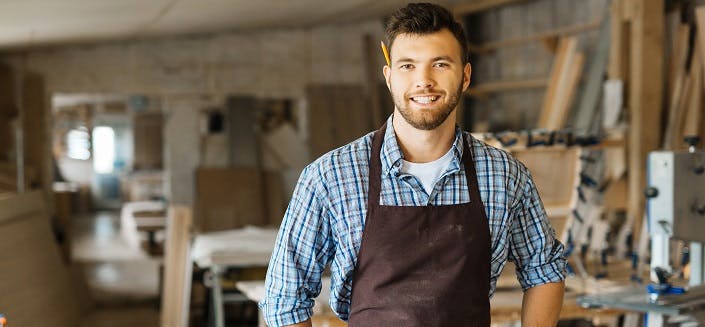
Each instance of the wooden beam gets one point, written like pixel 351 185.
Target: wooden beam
pixel 619 38
pixel 481 5
pixel 565 74
pixel 693 119
pixel 501 86
pixel 543 36
pixel 177 268
pixel 680 86
pixel 645 98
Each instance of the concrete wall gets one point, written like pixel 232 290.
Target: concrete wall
pixel 192 73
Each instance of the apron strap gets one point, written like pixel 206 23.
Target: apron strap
pixel 375 178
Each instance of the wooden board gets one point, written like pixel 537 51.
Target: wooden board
pixel 337 115
pixel 680 89
pixel 619 37
pixel 35 286
pixel 693 119
pixel 555 171
pixel 149 144
pixel 565 74
pixel 228 198
pixel 645 98
pixel 177 269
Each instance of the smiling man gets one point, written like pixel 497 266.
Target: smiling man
pixel 417 219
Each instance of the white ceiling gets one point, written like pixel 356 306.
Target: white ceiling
pixel 31 23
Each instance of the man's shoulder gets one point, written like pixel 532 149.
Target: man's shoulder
pixel 348 156
pixel 494 158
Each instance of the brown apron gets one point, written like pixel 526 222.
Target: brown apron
pixel 422 265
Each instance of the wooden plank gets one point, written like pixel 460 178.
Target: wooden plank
pixel 177 268
pixel 337 115
pixel 645 98
pixel 481 5
pixel 679 87
pixel 149 145
pixel 619 36
pixel 565 75
pixel 229 198
pixel 562 56
pixel 693 119
pixel 679 56
pixel 487 88
pixel 543 36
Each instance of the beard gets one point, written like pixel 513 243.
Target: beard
pixel 429 119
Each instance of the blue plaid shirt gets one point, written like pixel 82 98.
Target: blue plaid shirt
pixel 324 222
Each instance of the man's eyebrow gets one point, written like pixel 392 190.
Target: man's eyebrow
pixel 405 59
pixel 439 58
pixel 443 58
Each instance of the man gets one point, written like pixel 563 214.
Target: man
pixel 416 220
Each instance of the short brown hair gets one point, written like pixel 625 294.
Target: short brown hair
pixel 425 18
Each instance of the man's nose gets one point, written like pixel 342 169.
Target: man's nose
pixel 424 79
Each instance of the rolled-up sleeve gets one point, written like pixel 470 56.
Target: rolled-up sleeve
pixel 302 250
pixel 533 247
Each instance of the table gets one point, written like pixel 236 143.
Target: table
pixel 248 247
pixel 633 298
pixel 142 216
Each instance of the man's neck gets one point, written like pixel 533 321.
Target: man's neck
pixel 422 146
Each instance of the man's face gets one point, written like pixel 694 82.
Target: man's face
pixel 427 77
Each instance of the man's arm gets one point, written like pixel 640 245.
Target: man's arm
pixel 541 305
pixel 302 250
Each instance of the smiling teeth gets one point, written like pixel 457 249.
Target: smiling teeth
pixel 425 100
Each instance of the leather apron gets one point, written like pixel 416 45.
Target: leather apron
pixel 422 265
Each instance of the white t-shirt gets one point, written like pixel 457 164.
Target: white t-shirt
pixel 428 173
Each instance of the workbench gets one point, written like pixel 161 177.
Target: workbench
pixel 248 247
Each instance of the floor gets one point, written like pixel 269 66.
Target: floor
pixel 117 275
pixel 121 277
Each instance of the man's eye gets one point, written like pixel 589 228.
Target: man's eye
pixel 441 65
pixel 406 66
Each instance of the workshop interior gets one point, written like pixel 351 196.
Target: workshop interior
pixel 149 149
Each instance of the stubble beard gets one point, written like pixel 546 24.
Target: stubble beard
pixel 428 119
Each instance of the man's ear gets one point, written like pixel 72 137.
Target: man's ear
pixel 387 71
pixel 467 73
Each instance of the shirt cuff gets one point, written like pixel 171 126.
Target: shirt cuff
pixel 278 313
pixel 552 272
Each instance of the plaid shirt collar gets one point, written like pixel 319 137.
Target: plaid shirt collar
pixel 391 155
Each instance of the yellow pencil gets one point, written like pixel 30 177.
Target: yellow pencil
pixel 386 53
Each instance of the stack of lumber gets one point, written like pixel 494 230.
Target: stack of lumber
pixel 37 289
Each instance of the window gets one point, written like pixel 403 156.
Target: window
pixel 103 149
pixel 78 144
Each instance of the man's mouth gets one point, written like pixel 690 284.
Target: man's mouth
pixel 425 99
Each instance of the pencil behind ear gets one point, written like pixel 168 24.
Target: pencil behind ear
pixel 386 53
